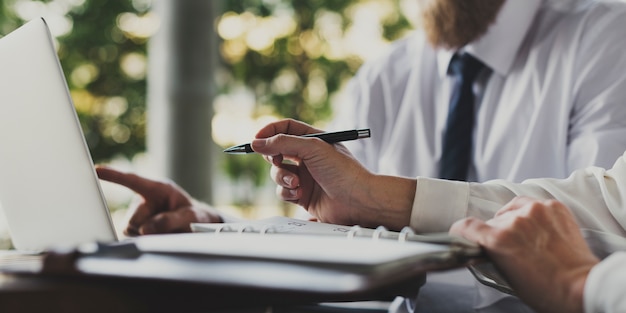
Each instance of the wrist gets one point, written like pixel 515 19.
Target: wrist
pixel 576 284
pixel 383 200
pixel 567 292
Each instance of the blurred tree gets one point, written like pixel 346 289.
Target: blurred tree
pixel 292 56
pixel 298 53
pixel 9 20
pixel 106 68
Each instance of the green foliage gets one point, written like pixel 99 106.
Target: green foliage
pixel 258 69
pixel 8 20
pixel 111 103
pixel 96 40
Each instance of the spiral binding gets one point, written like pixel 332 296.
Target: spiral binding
pixel 406 234
pixel 265 229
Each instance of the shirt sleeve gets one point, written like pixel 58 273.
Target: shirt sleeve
pixel 604 290
pixel 596 196
pixel 438 203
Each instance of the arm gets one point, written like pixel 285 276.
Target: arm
pixel 328 182
pixel 596 196
pixel 597 133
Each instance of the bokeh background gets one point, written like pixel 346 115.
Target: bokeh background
pixel 264 60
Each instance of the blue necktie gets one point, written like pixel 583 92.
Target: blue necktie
pixel 457 138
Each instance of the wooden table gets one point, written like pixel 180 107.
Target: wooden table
pixel 19 293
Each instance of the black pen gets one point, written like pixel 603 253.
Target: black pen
pixel 331 138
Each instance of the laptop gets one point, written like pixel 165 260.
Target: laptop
pixel 49 190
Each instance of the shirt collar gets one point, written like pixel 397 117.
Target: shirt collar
pixel 499 46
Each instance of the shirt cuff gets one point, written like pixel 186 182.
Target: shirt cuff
pixel 438 204
pixel 604 286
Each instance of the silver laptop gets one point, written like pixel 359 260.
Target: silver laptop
pixel 49 191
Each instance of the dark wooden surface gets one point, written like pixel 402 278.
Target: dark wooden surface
pixel 26 293
pixel 56 294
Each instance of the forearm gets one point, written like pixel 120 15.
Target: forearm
pixel 383 200
pixel 595 196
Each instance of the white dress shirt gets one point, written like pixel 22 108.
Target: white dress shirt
pixel 604 289
pixel 554 100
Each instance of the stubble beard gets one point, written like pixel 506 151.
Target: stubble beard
pixel 452 24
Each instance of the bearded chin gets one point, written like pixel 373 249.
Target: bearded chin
pixel 452 24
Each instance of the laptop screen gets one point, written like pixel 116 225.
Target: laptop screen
pixel 49 190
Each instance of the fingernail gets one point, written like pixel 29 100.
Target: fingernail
pixel 293 192
pixel 288 180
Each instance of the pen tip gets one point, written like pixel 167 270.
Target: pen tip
pixel 239 149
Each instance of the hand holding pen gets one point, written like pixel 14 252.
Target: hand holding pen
pixel 329 182
pixel 331 138
pixel 318 176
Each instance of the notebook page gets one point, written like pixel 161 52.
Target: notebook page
pixel 330 250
